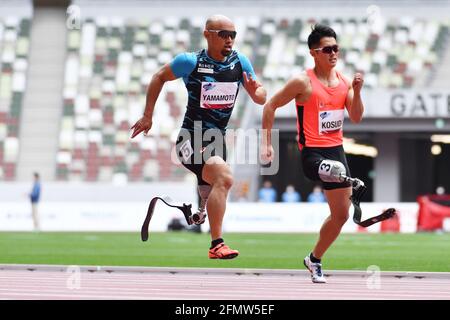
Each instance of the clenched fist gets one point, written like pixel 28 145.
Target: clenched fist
pixel 266 153
pixel 358 81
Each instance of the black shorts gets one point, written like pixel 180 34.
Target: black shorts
pixel 193 154
pixel 313 156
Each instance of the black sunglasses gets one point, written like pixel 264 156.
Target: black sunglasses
pixel 224 34
pixel 329 49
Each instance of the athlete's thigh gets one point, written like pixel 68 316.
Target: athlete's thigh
pixel 339 200
pixel 189 154
pixel 310 164
pixel 312 159
pixel 215 168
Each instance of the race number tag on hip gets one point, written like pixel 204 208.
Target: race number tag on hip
pixel 331 121
pixel 218 95
pixel 186 150
pixel 325 168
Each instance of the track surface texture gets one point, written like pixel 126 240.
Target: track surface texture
pixel 42 282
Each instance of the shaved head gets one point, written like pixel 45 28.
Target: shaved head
pixel 219 21
pixel 220 34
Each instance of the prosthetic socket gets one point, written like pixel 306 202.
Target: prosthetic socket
pixel 334 171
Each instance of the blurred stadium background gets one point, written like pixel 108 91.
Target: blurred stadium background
pixel 74 76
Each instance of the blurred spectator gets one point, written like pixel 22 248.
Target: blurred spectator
pixel 175 225
pixel 34 198
pixel 291 195
pixel 240 191
pixel 316 195
pixel 267 193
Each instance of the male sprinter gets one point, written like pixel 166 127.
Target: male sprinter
pixel 212 77
pixel 321 94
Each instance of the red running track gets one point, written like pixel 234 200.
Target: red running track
pixel 100 283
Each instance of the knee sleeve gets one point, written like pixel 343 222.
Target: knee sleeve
pixel 332 171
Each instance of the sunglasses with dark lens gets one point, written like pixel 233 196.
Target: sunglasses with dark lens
pixel 329 49
pixel 224 34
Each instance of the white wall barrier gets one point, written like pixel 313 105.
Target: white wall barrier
pixel 240 217
pixel 307 217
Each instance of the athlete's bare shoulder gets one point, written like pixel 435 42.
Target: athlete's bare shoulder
pixel 303 83
pixel 347 80
pixel 301 80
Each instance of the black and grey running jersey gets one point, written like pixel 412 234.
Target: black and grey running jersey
pixel 212 87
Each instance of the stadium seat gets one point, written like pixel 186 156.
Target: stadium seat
pixel 111 60
pixel 14 47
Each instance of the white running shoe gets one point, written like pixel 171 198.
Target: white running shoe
pixel 315 269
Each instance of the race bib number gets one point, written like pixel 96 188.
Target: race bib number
pixel 218 95
pixel 325 168
pixel 186 150
pixel 331 121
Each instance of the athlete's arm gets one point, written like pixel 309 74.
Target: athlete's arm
pixel 254 88
pixel 354 103
pixel 294 88
pixel 182 65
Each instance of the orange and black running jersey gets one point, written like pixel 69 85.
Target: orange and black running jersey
pixel 321 118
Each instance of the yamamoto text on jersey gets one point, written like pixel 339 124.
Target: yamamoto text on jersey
pixel 222 97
